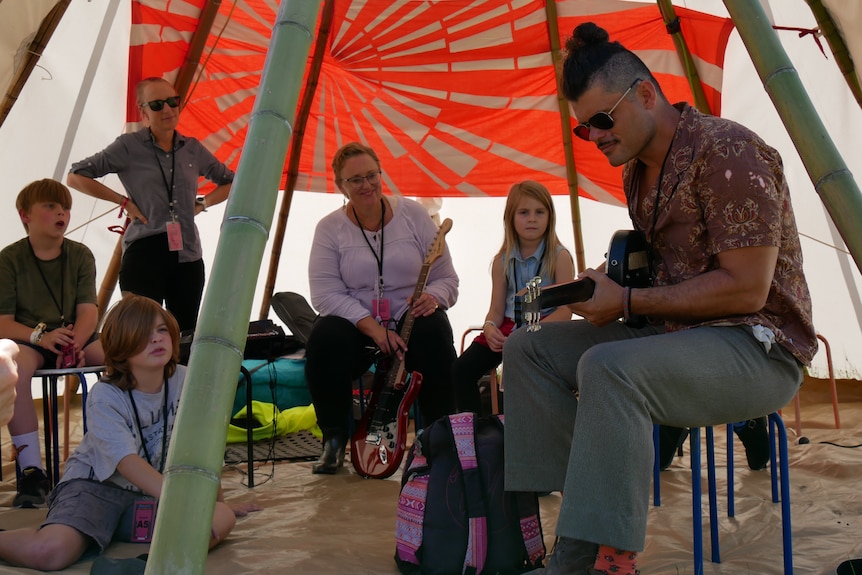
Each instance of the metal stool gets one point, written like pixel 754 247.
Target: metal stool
pixel 51 419
pixel 779 472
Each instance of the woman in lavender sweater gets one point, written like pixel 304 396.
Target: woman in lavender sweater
pixel 365 262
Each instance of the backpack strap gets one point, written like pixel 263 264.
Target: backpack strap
pixel 531 526
pixel 464 433
pixel 411 507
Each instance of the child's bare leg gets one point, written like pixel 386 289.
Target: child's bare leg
pixel 51 548
pixel 8 378
pixel 223 521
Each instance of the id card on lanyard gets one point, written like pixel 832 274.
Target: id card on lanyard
pixel 175 231
pixel 175 234
pixel 380 308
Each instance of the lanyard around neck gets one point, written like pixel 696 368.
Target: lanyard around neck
pixel 61 302
pixel 161 466
pixel 379 258
pixel 518 285
pixel 169 187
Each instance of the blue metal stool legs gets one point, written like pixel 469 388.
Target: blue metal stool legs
pixel 780 482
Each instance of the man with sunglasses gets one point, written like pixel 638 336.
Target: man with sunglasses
pixel 159 169
pixel 729 314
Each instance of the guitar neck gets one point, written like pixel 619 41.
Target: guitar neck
pixel 566 293
pixel 397 369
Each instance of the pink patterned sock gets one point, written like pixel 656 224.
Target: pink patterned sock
pixel 615 561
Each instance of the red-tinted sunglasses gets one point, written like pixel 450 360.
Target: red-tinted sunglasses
pixel 601 120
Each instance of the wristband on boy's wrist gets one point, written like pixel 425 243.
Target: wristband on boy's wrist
pixel 202 201
pixel 37 333
pixel 488 322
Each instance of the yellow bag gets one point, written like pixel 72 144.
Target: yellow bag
pixel 267 421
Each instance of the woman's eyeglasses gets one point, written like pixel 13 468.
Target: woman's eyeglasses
pixel 356 182
pixel 601 120
pixel 157 105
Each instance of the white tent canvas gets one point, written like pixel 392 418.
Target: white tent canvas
pixel 74 105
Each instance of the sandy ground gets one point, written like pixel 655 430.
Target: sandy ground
pixel 344 524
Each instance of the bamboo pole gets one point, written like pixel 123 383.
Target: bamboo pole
pixel 181 85
pixel 566 133
pixel 196 47
pixel 831 178
pixel 194 462
pixel 838 47
pixel 296 152
pixel 34 52
pixel 671 22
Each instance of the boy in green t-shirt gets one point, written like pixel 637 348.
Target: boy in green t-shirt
pixel 47 306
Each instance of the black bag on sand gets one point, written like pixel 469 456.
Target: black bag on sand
pixel 453 515
pixel 296 313
pixel 117 566
pixel 267 340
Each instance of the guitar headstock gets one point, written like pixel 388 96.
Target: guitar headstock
pixel 438 246
pixel 528 310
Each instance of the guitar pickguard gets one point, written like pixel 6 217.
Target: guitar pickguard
pixel 379 443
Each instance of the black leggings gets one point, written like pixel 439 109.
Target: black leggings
pixel 476 361
pixel 337 353
pixel 150 269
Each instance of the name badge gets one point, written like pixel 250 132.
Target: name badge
pixel 144 521
pixel 381 309
pixel 175 236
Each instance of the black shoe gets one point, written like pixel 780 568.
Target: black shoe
pixel 332 458
pixel 670 441
pixel 755 439
pixel 33 488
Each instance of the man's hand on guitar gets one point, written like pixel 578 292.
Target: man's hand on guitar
pixel 606 305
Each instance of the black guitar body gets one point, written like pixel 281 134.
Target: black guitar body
pixel 627 264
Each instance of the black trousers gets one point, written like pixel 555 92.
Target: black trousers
pixel 471 365
pixel 150 269
pixel 337 353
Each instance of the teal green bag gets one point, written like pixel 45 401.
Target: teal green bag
pixel 281 382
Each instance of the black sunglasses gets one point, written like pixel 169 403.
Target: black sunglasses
pixel 157 105
pixel 601 120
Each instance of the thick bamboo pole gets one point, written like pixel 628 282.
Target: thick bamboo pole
pixel 34 52
pixel 827 170
pixel 838 47
pixel 192 474
pixel 566 134
pixel 182 84
pixel 296 151
pixel 671 22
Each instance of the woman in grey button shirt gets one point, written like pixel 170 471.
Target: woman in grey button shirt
pixel 159 169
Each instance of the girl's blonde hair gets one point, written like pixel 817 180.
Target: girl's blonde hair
pixel 127 327
pixel 538 192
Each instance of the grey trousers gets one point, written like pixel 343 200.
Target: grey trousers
pixel 581 402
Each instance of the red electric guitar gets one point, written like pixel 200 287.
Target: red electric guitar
pixel 380 439
pixel 627 264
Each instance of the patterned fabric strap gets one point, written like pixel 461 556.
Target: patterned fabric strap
pixel 531 527
pixel 464 434
pixel 411 511
pixel 531 531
